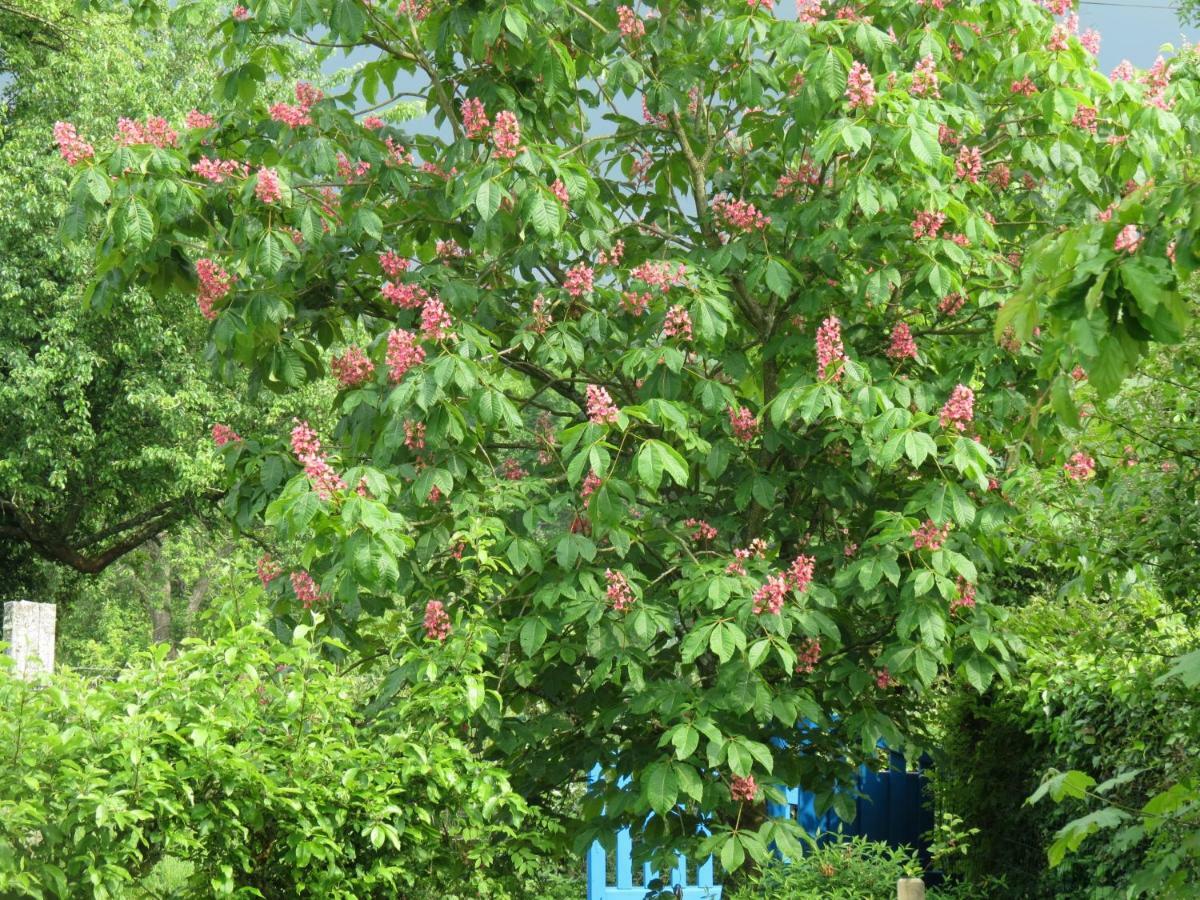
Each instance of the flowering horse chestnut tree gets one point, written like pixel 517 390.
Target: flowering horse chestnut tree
pixel 670 408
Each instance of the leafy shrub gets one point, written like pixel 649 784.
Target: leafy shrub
pixel 1088 701
pixel 254 764
pixel 854 869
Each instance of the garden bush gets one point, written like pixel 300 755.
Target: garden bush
pixel 853 869
pixel 254 767
pixel 1088 701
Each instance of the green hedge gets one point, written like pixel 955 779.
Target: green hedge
pixel 253 770
pixel 1090 696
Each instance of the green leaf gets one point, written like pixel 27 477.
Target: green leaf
pixel 924 145
pixel 654 458
pixel 541 211
pixel 533 635
pixel 778 279
pixel 685 740
pixel 741 761
pixel 662 787
pixel 487 199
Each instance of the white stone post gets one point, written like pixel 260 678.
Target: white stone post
pixel 910 889
pixel 29 633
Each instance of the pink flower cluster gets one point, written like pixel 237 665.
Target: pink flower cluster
pixel 290 114
pixel 393 263
pixel 506 135
pixel 769 598
pixel 743 790
pixel 217 170
pixel 903 346
pixel 969 164
pixel 757 548
pixel 1080 467
pixel 197 119
pixel 959 409
pixel 927 224
pixel 702 531
pixel 406 296
pixel 71 146
pixel 804 173
pixel 542 317
pixel 809 12
pixel 268 570
pixel 1085 118
pixel 414 435
pixel 951 303
pixel 591 484
pixel 1000 176
pixel 929 536
pixel 240 13
pixel 807 659
pixel 348 169
pixel 885 680
pixel 634 303
pixel 925 79
pixel 1123 72
pixel 800 573
pixel 373 123
pixel 352 368
pixel 157 132
pixel 267 188
pixel 966 596
pixel 306 589
pixel 474 118
pixel 739 214
pixel 435 321
pixel 860 87
pixel 215 283
pixel 619 593
pixel 611 257
pixel 223 434
pixel 579 280
pixel 830 352
pixel 743 423
pixel 298 114
pixel 414 9
pixel 403 352
pixel 600 408
pixel 678 324
pixel 1129 240
pixel 1157 80
pixel 1090 40
pixel 307 447
pixel 629 24
pixel 1025 87
pixel 655 119
pixel 1060 36
pixel 660 274
pixel 559 190
pixel 436 622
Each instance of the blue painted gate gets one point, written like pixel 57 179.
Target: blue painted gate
pixel 892 809
pixel 694 881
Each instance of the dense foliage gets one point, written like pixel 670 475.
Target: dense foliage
pixel 681 429
pixel 102 412
pixel 1109 645
pixel 254 767
pixel 855 869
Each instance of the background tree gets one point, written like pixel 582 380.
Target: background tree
pixel 666 437
pixel 103 413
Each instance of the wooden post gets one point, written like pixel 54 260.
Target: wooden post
pixel 910 889
pixel 29 633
